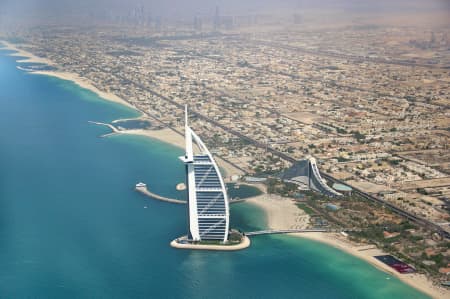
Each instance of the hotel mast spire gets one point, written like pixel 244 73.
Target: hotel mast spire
pixel 188 136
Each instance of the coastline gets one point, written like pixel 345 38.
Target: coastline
pixel 367 253
pixel 27 56
pixel 171 137
pixel 86 84
pixel 166 135
pixel 417 281
pixel 282 213
pixel 80 81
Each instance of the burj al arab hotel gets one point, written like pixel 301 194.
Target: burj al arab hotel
pixel 208 207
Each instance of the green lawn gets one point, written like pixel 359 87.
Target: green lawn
pixel 306 208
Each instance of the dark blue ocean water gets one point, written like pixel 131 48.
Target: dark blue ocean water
pixel 72 226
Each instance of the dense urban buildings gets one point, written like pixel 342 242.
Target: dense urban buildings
pixel 374 114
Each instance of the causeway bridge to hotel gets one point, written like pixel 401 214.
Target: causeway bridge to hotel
pixel 143 189
pixel 292 231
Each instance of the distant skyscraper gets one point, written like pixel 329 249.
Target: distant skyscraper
pixel 197 23
pixel 208 211
pixel 217 19
pixel 158 23
pixel 433 38
pixel 445 40
pixel 297 18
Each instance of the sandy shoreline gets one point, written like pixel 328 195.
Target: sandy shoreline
pixel 86 84
pixel 282 213
pixel 166 135
pixel 28 57
pixel 82 82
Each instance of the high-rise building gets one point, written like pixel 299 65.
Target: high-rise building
pixel 216 20
pixel 197 23
pixel 208 210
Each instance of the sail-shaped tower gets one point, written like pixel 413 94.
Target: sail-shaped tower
pixel 208 210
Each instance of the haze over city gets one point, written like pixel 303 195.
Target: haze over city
pixel 51 10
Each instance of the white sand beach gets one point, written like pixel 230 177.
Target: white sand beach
pixel 282 213
pixel 80 81
pixel 168 135
pixel 86 84
pixel 28 57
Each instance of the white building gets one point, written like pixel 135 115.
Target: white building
pixel 208 210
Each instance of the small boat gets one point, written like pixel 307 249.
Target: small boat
pixel 141 185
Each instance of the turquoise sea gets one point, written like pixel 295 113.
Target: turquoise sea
pixel 71 225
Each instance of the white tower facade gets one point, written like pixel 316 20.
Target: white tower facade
pixel 208 207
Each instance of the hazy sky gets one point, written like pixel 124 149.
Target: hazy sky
pixel 187 8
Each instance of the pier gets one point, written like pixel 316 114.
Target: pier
pixel 114 129
pixel 144 190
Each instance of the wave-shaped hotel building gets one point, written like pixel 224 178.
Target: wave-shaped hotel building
pixel 208 212
pixel 306 172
